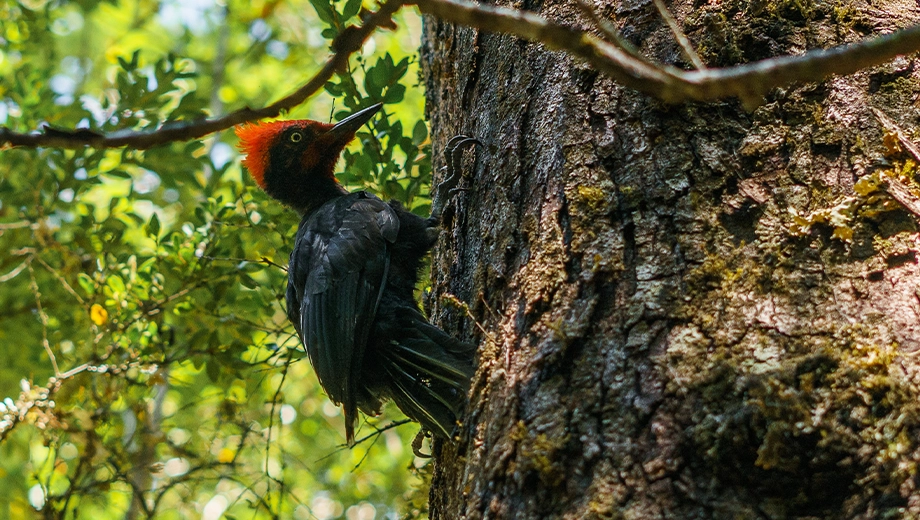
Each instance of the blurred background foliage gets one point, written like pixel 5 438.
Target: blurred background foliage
pixel 146 365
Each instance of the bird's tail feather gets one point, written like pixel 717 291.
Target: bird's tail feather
pixel 429 374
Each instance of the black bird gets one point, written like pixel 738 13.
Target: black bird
pixel 352 278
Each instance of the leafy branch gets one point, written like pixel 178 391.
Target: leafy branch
pixel 346 43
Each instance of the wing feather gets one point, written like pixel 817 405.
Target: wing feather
pixel 337 276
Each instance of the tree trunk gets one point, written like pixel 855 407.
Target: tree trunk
pixel 691 312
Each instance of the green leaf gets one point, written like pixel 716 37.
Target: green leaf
pixel 374 82
pixel 212 368
pixel 115 283
pixel 419 132
pixel 248 282
pixel 400 69
pixel 87 284
pixel 324 10
pixel 334 88
pixel 395 94
pixel 351 8
pixel 201 214
pixel 129 66
pixel 153 227
pixel 118 174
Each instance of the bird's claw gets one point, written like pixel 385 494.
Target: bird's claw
pixel 447 189
pixel 454 151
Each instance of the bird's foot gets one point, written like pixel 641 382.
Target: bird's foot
pixel 447 189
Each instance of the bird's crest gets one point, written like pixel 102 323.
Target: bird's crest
pixel 256 139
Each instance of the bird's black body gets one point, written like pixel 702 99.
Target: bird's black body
pixel 351 283
pixel 352 278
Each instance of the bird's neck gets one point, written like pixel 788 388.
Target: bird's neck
pixel 305 193
pixel 318 193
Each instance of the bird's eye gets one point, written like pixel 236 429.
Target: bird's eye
pixel 296 137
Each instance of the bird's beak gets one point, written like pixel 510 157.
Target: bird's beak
pixel 346 128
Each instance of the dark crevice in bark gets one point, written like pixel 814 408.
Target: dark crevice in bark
pixel 472 75
pixel 572 262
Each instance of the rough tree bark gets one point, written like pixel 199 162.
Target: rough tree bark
pixel 694 313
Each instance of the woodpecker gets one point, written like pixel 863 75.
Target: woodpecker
pixel 351 280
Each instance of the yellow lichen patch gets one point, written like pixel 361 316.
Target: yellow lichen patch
pixel 593 236
pixel 539 453
pixel 593 198
pixel 839 217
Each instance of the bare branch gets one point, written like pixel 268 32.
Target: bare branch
pixel 14 273
pixel 16 225
pixel 53 272
pixel 377 432
pixel 348 42
pixel 604 56
pixel 748 82
pixel 679 35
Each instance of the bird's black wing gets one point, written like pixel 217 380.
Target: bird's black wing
pixel 336 277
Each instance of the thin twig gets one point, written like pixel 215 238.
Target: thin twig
pixel 610 31
pixel 33 284
pixel 60 280
pixel 377 431
pixel 271 424
pixel 348 42
pixel 15 225
pixel 457 303
pixel 268 441
pixel 74 371
pixel 14 273
pixel 682 40
pixel 366 453
pixel 264 260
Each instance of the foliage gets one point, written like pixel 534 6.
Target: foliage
pixel 148 367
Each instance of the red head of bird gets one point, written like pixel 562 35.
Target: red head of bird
pixel 294 161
